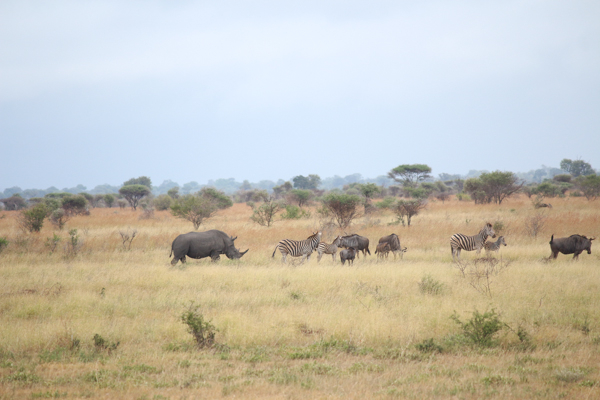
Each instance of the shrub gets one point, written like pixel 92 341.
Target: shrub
pixel 102 344
pixel 162 202
pixel 109 200
pixel 428 346
pixel 74 205
pixel 32 219
pixel 134 193
pixel 481 329
pixel 343 207
pixel 294 212
pixel 408 209
pixel 194 209
pixel 3 243
pixel 59 218
pixel 203 331
pixel 386 203
pixel 264 214
pixel 428 285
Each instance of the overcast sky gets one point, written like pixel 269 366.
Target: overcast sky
pixel 96 92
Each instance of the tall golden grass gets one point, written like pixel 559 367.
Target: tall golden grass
pixel 265 311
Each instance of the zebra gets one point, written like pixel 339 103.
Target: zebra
pixel 494 246
pixel 325 248
pixel 459 242
pixel 297 248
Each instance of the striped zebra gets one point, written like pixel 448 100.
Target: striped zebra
pixel 494 246
pixel 298 248
pixel 459 242
pixel 325 248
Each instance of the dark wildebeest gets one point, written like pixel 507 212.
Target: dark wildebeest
pixel 359 243
pixel 574 244
pixel 211 244
pixel 494 246
pixel 326 248
pixel 382 250
pixel 348 254
pixel 394 243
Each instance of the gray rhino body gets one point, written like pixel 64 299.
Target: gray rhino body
pixel 197 245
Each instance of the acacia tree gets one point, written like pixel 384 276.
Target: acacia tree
pixel 343 207
pixel 410 174
pixel 408 209
pixel 265 213
pixel 300 196
pixel 303 182
pixel 200 206
pixel 590 185
pixel 134 193
pixel 142 180
pixel 493 186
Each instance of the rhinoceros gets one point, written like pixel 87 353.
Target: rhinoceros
pixel 211 244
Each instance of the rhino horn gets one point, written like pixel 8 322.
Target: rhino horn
pixel 241 254
pixel 233 239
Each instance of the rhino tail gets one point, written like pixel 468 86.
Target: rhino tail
pixel 552 238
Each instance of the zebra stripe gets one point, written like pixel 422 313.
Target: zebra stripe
pixel 325 248
pixel 459 242
pixel 494 246
pixel 298 248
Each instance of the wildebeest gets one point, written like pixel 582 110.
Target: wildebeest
pixel 394 243
pixel 359 243
pixel 574 244
pixel 382 250
pixel 325 248
pixel 211 244
pixel 348 254
pixel 494 246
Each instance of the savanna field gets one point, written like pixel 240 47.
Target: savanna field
pixel 88 315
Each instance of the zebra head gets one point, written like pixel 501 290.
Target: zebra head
pixel 489 231
pixel 501 241
pixel 337 240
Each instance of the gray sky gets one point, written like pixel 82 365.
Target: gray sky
pixel 98 92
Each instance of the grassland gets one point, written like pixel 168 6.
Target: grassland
pixel 316 330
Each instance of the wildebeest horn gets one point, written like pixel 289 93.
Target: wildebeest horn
pixel 592 238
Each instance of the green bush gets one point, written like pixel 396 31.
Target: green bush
pixel 481 329
pixel 203 331
pixel 162 202
pixel 32 219
pixel 294 212
pixel 428 285
pixel 3 243
pixel 386 203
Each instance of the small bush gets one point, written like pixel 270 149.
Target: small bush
pixel 32 220
pixel 294 212
pixel 162 202
pixel 428 285
pixel 481 329
pixel 102 344
pixel 3 243
pixel 59 218
pixel 203 331
pixel 429 346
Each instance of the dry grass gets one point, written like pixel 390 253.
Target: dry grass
pixel 306 331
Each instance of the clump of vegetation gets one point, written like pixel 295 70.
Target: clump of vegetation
pixel 294 212
pixel 264 214
pixel 127 238
pixel 200 206
pixel 428 285
pixel 203 331
pixel 74 244
pixel 481 328
pixel 52 243
pixel 342 207
pixel 59 218
pixel 32 219
pixel 3 243
pixel 408 209
pixel 102 344
pixel 429 346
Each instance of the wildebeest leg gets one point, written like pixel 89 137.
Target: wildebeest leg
pixel 576 255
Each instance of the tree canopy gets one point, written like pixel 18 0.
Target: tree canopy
pixel 142 180
pixel 493 186
pixel 410 174
pixel 134 193
pixel 576 167
pixel 306 182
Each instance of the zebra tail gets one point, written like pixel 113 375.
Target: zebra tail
pixel 273 256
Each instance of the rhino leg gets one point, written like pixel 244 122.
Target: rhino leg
pixel 215 256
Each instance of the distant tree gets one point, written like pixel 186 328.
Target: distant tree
pixel 300 196
pixel 449 177
pixel 264 214
pixel 590 186
pixel 12 191
pixel 311 182
pixel 368 190
pixel 220 199
pixel 576 167
pixel 565 178
pixel 410 175
pixel 109 200
pixel 142 180
pixel 194 208
pixel 343 207
pixel 32 219
pixel 493 187
pixel 58 195
pixel 408 209
pixel 88 197
pixel 134 193
pixel 173 192
pixel 59 218
pixel 282 189
pixel 14 202
pixel 74 205
pixel 245 185
pixel 162 202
